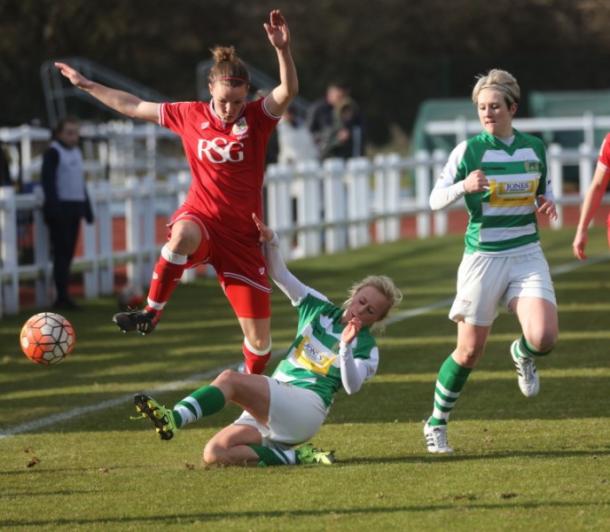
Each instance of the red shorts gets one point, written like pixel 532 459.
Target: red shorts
pixel 240 267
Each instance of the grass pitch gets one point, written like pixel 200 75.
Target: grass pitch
pixel 520 464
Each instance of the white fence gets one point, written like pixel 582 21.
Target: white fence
pixel 112 151
pixel 324 208
pixel 587 124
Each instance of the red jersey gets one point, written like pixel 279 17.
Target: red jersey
pixel 604 152
pixel 227 162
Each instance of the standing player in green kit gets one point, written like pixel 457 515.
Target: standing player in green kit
pixel 502 176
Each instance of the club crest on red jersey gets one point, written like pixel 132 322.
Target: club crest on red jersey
pixel 240 128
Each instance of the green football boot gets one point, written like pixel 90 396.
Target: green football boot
pixel 308 454
pixel 162 417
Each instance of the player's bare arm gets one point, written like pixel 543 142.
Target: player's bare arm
pixel 121 101
pixel 592 201
pixel 265 232
pixel 278 34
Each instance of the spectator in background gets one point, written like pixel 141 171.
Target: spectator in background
pixel 5 173
pixel 336 124
pixel 320 116
pixel 344 137
pixel 592 200
pixel 295 140
pixel 65 202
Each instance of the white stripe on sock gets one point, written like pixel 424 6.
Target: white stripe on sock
pixel 186 414
pixel 174 258
pixel 154 304
pixel 448 404
pixel 258 352
pixel 192 401
pixel 288 456
pixel 446 392
pixel 520 352
pixel 439 414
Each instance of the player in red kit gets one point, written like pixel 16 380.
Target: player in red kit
pixel 225 142
pixel 593 199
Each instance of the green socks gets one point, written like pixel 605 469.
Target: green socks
pixel 525 350
pixel 273 457
pixel 449 383
pixel 205 401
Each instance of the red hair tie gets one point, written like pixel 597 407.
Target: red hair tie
pixel 230 78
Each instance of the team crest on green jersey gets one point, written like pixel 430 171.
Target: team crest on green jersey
pixel 532 166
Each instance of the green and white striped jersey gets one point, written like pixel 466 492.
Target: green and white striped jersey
pixel 502 218
pixel 312 360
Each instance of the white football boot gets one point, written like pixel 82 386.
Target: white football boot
pixel 436 439
pixel 529 383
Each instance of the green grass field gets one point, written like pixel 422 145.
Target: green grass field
pixel 520 464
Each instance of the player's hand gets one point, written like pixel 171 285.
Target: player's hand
pixel 265 232
pixel 476 181
pixel 579 244
pixel 277 30
pixel 351 330
pixel 547 207
pixel 75 77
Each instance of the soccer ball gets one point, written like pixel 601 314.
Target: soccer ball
pixel 47 338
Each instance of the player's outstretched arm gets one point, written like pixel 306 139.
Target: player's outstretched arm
pixel 279 36
pixel 281 275
pixel 121 101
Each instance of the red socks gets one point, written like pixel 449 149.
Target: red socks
pixel 255 360
pixel 166 276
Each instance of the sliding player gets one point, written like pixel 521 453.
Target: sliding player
pixel 333 349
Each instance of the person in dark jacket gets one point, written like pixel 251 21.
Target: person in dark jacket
pixel 5 172
pixel 65 202
pixel 336 124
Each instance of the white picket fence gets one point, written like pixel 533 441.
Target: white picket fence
pixel 587 124
pixel 112 151
pixel 324 208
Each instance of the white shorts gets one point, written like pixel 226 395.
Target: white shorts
pixel 295 415
pixel 484 281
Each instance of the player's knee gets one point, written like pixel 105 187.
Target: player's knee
pixel 226 377
pixel 542 341
pixel 259 345
pixel 213 453
pixel 185 239
pixel 468 355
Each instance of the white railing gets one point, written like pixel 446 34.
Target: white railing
pixel 587 124
pixel 112 151
pixel 120 149
pixel 325 208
